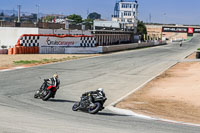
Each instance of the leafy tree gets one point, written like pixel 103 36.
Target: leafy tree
pixel 48 18
pixel 141 28
pixel 88 22
pixel 76 18
pixel 13 15
pixel 94 16
pixel 1 14
pixel 34 15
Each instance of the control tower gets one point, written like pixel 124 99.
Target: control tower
pixel 126 12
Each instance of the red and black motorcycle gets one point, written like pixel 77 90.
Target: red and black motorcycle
pixel 46 91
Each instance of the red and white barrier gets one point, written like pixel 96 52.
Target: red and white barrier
pixel 30 43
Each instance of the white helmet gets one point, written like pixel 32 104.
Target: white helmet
pixel 100 89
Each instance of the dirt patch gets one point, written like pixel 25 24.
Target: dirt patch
pixel 173 95
pixel 192 56
pixel 7 61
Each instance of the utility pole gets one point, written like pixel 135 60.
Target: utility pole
pixel 164 18
pixel 88 12
pixel 150 18
pixel 38 6
pixel 19 11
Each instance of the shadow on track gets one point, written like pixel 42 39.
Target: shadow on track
pixel 110 114
pixel 61 100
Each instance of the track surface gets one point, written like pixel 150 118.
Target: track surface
pixel 118 73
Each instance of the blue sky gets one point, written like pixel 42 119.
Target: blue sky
pixel 168 11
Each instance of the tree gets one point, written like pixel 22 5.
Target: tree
pixel 1 14
pixel 76 18
pixel 48 18
pixel 88 22
pixel 141 28
pixel 94 16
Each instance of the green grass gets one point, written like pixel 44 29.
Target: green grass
pixel 43 61
pixel 189 38
pixel 26 62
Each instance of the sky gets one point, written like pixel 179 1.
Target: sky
pixel 157 11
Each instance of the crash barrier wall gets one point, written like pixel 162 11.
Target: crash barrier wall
pixel 31 43
pixel 99 49
pixel 3 51
pixel 23 50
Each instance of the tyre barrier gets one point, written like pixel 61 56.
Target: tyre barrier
pixel 198 55
pixel 23 50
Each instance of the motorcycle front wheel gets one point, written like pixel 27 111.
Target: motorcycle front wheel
pixel 95 109
pixel 36 95
pixel 75 107
pixel 47 95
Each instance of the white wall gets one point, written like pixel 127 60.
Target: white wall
pixel 107 24
pixel 10 35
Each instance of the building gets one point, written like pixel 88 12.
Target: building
pixel 126 12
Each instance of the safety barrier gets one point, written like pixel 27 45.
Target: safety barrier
pixel 23 50
pixel 3 51
pixel 31 43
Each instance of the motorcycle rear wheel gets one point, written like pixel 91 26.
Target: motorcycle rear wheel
pixel 75 107
pixel 96 109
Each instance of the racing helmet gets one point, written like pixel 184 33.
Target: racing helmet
pixel 100 89
pixel 55 75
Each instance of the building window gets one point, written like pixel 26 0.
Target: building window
pixel 125 13
pixel 129 20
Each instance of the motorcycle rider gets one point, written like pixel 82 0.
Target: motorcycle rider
pixel 54 81
pixel 89 95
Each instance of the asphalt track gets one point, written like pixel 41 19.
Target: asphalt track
pixel 118 73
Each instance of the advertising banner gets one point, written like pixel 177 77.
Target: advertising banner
pixel 55 41
pixel 196 30
pixel 175 29
pixel 190 30
pixel 33 40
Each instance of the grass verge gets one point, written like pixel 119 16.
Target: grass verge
pixel 43 61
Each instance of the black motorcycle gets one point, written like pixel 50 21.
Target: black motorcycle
pixel 85 105
pixel 46 91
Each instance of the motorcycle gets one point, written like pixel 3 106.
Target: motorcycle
pixel 46 91
pixel 85 105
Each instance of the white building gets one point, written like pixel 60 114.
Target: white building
pixel 126 12
pixel 102 24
